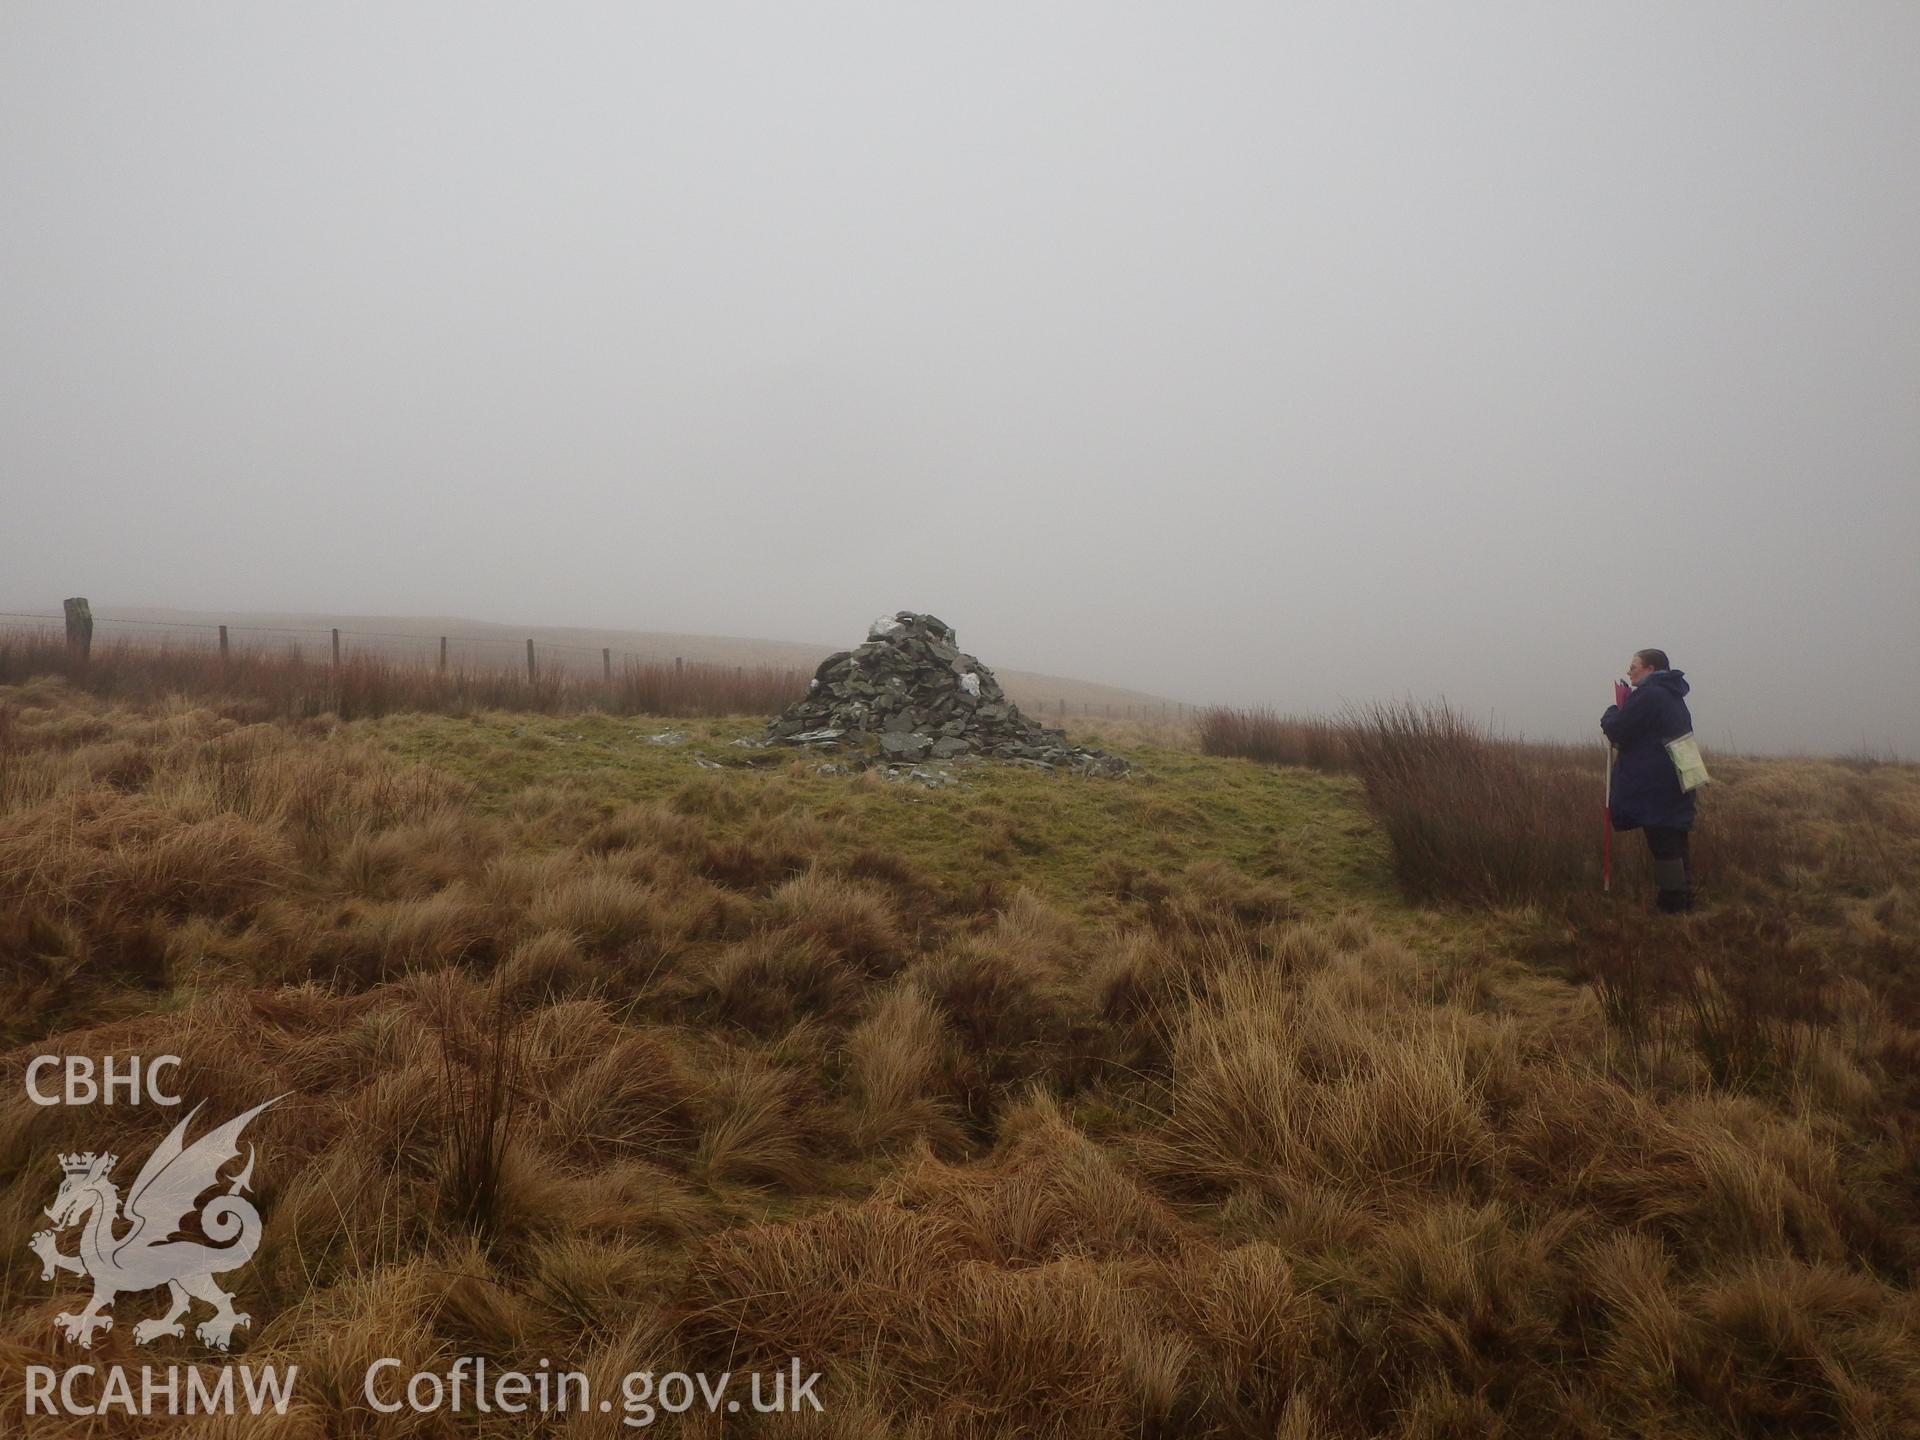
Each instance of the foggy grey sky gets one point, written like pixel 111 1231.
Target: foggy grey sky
pixel 1265 353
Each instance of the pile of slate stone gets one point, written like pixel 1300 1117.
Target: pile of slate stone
pixel 911 695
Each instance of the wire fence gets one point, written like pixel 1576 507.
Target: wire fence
pixel 457 650
pixel 545 665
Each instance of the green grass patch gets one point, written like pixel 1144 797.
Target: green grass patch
pixel 1063 835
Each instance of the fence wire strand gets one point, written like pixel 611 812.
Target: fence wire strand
pixel 461 649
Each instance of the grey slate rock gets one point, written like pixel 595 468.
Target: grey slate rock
pixel 905 746
pixel 910 681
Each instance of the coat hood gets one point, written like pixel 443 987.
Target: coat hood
pixel 1674 682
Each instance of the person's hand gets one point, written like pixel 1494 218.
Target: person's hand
pixel 1621 690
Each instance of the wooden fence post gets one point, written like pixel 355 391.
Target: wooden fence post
pixel 529 659
pixel 443 654
pixel 679 665
pixel 223 649
pixel 336 647
pixel 606 663
pixel 79 628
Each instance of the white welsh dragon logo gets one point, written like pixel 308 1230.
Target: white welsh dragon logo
pixel 146 1254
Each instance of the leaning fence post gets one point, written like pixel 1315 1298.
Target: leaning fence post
pixel 443 654
pixel 223 649
pixel 529 659
pixel 336 647
pixel 79 628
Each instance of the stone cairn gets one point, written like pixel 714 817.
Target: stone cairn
pixel 911 692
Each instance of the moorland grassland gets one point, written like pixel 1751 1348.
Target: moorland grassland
pixel 1318 1093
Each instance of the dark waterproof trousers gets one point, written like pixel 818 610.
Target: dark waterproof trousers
pixel 1672 869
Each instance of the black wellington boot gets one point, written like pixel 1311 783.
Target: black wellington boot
pixel 1676 886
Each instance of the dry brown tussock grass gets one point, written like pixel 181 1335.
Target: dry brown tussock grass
pixel 1296 1084
pixel 546 967
pixel 854 922
pixel 1045 1190
pixel 761 1125
pixel 633 1096
pixel 1224 1165
pixel 772 980
pixel 898 1070
pixel 1010 984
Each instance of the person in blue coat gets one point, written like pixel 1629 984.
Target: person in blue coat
pixel 1646 789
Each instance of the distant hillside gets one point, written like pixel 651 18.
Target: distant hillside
pixel 480 642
